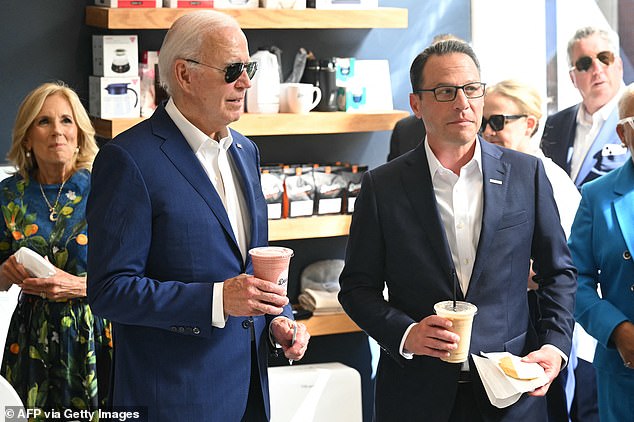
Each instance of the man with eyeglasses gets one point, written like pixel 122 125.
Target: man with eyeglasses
pixel 456 209
pixel 176 204
pixel 583 141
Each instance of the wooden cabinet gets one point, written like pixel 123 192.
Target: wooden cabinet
pixel 281 123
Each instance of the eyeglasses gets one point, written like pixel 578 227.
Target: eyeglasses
pixel 629 120
pixel 232 70
pixel 497 121
pixel 446 93
pixel 584 63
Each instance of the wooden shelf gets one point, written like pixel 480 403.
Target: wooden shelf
pixel 309 227
pixel 162 18
pixel 252 124
pixel 323 325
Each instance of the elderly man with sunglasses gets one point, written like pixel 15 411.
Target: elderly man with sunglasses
pixel 582 140
pixel 460 218
pixel 176 204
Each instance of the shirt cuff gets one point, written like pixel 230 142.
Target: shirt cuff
pixel 401 349
pixel 218 319
pixel 562 354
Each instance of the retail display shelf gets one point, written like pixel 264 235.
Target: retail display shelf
pixel 260 18
pixel 316 122
pixel 309 227
pixel 323 325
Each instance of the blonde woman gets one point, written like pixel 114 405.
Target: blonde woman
pixel 57 354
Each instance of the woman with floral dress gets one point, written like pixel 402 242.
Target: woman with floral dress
pixel 57 354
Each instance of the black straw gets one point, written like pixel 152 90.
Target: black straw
pixel 454 279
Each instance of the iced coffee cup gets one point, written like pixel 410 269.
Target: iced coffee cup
pixel 271 263
pixel 462 319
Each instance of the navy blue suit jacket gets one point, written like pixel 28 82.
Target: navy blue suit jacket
pixel 558 144
pixel 397 237
pixel 159 239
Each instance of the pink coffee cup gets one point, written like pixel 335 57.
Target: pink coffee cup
pixel 271 263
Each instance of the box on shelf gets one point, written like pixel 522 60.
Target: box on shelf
pixel 342 4
pixel 344 73
pixel 188 3
pixel 370 89
pixel 115 55
pixel 236 4
pixel 129 3
pixel 111 98
pixel 147 73
pixel 283 4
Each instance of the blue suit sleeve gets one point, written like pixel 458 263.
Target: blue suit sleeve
pixel 119 216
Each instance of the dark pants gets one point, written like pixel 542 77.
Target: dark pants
pixel 465 409
pixel 585 406
pixel 255 403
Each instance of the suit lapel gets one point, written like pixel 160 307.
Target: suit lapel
pixel 178 151
pixel 624 202
pixel 495 175
pixel 249 190
pixel 420 193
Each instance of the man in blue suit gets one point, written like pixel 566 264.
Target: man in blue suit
pixel 582 140
pixel 175 206
pixel 601 243
pixel 456 205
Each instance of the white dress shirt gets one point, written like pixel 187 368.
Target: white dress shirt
pixel 588 127
pixel 460 204
pixel 459 201
pixel 209 152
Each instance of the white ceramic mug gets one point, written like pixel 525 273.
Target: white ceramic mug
pixel 298 97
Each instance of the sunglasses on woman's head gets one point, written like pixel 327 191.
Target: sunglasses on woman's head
pixel 584 63
pixel 497 121
pixel 233 70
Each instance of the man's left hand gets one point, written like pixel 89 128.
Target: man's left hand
pixel 550 360
pixel 282 329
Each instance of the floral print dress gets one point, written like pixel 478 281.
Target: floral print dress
pixel 57 354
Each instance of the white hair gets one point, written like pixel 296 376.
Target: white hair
pixel 185 40
pixel 608 35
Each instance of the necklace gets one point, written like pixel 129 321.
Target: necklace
pixel 52 208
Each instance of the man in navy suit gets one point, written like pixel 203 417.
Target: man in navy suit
pixel 176 204
pixel 456 205
pixel 582 140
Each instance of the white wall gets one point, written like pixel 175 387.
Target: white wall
pixel 509 37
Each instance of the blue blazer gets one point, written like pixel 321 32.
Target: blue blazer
pixel 397 237
pixel 602 243
pixel 159 239
pixel 605 155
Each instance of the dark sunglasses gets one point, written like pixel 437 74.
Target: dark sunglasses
pixel 584 63
pixel 496 121
pixel 233 70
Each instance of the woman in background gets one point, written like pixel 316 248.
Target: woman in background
pixel 512 111
pixel 57 354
